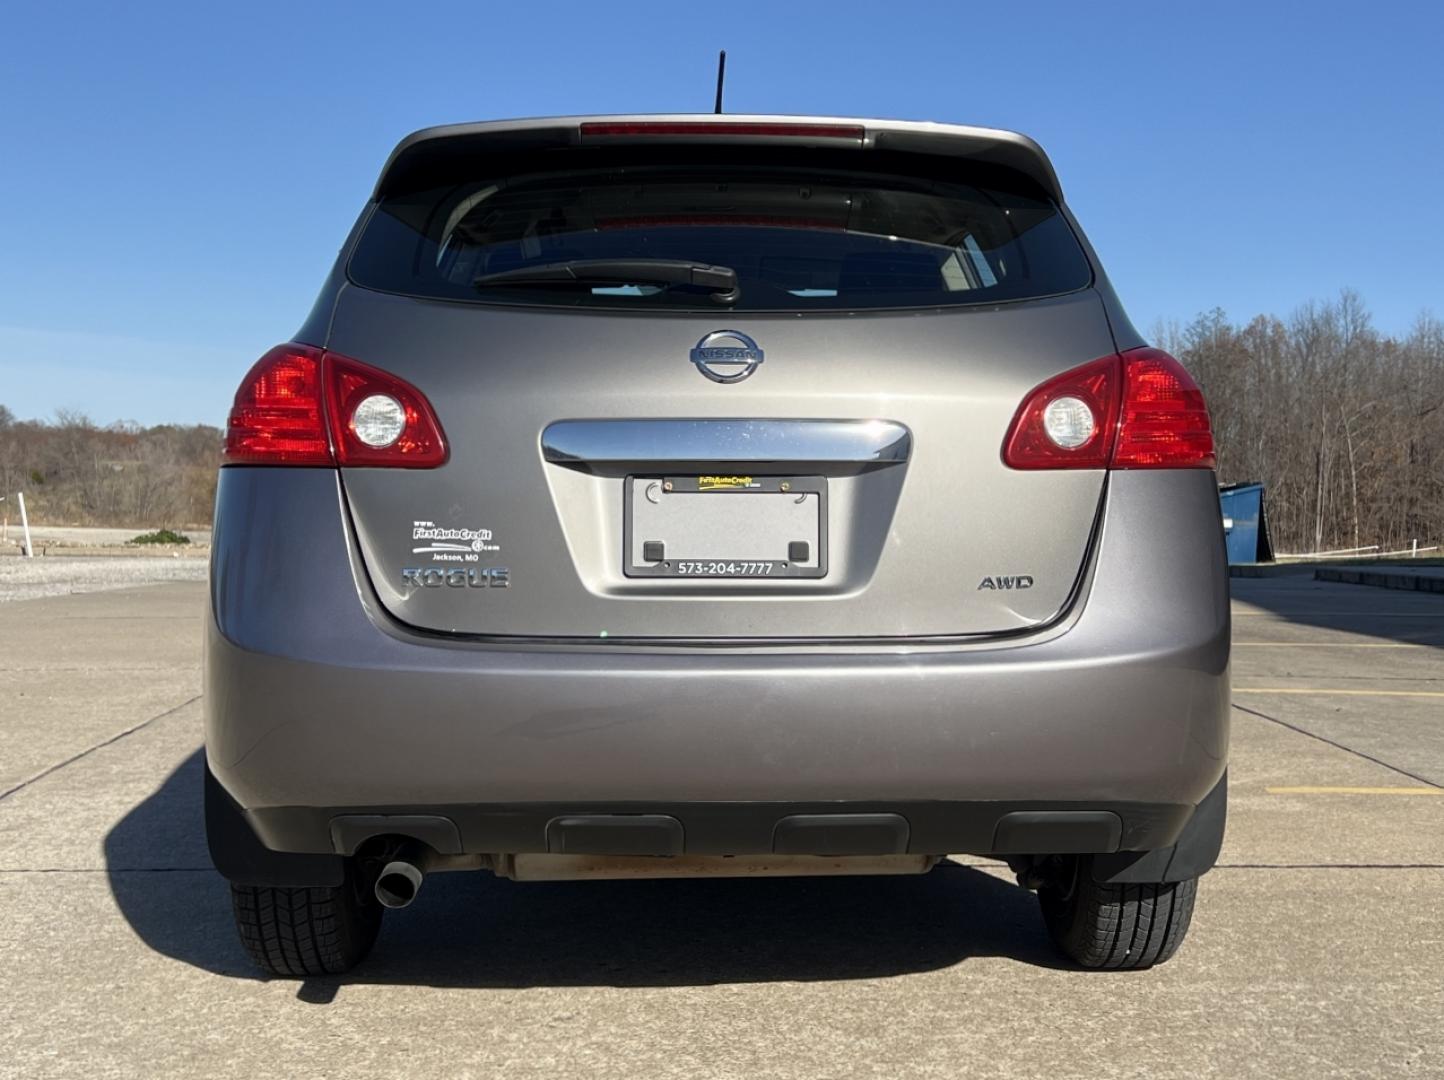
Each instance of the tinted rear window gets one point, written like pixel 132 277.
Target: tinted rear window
pixel 803 233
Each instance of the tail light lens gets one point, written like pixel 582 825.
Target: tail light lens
pixel 301 405
pixel 720 129
pixel 1146 412
pixel 278 417
pixel 1164 423
pixel 352 392
pixel 1094 386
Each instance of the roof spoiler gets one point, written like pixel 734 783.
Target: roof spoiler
pixel 430 150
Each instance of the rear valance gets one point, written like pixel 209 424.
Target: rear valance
pixel 436 151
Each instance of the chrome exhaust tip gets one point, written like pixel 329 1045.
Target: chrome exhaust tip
pixel 400 879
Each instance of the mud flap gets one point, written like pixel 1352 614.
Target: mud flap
pixel 241 858
pixel 1194 853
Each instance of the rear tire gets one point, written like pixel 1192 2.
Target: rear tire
pixel 299 932
pixel 1119 927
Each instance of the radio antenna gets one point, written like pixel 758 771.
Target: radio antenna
pixel 721 75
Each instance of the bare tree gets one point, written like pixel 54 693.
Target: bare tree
pixel 1343 425
pixel 76 472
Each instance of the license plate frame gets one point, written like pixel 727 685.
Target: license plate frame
pixel 802 494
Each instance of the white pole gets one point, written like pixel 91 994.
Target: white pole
pixel 25 524
pixel 1415 555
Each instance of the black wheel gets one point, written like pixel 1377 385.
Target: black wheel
pixel 322 931
pixel 1116 926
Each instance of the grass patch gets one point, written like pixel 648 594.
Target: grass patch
pixel 162 536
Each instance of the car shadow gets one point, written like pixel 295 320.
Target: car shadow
pixel 1294 595
pixel 475 930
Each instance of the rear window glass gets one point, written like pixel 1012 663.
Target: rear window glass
pixel 799 235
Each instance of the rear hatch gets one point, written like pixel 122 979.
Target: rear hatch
pixel 809 448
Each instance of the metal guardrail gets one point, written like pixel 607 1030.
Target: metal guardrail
pixel 1370 552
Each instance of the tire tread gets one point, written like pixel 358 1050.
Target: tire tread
pixel 1118 927
pixel 301 932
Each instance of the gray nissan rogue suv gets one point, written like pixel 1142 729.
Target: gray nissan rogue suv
pixel 697 495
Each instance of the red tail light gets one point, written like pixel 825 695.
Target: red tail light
pixel 1147 413
pixel 278 416
pixel 298 406
pixel 1164 424
pixel 420 444
pixel 721 129
pixel 1029 446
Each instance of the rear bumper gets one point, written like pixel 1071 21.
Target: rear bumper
pixel 1130 842
pixel 319 708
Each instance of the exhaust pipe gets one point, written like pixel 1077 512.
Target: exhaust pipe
pixel 400 879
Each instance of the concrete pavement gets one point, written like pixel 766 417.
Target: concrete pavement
pixel 1316 949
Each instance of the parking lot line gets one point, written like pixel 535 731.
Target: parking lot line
pixel 1304 612
pixel 1312 691
pixel 1318 790
pixel 1334 645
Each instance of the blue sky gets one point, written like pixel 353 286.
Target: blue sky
pixel 176 178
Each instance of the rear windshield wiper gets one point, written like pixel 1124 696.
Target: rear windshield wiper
pixel 621 272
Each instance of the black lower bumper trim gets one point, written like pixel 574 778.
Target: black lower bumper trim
pixel 1129 842
pixel 754 828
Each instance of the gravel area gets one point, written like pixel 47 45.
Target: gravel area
pixel 91 536
pixel 26 579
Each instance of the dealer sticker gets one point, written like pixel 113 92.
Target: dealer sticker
pixel 447 544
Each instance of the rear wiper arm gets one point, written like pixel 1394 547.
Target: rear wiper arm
pixel 621 272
